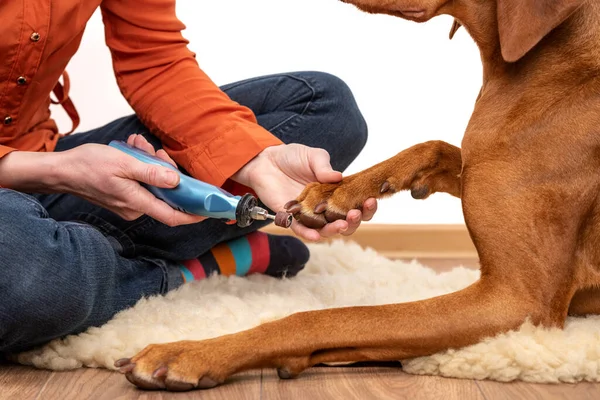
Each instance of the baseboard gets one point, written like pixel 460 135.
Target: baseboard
pixel 411 241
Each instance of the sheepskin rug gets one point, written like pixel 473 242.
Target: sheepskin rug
pixel 339 274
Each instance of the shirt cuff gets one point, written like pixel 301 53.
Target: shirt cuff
pixel 215 162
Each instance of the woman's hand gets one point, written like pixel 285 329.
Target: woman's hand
pixel 100 174
pixel 280 173
pixel 110 178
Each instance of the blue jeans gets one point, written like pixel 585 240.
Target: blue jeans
pixel 67 264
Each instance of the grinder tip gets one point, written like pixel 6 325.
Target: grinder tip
pixel 283 219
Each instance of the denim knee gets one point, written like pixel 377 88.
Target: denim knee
pixel 346 131
pixel 41 294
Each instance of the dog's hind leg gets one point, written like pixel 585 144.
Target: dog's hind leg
pixel 585 302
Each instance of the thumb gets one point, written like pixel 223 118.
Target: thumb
pixel 321 167
pixel 154 175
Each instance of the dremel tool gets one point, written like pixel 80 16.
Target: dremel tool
pixel 196 197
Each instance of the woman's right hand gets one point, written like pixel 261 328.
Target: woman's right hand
pixel 100 174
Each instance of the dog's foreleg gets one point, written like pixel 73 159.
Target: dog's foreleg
pixel 423 169
pixel 389 332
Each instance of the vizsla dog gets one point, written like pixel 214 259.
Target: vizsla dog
pixel 528 175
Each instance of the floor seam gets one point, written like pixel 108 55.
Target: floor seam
pixel 480 390
pixel 260 390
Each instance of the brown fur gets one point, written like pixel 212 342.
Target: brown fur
pixel 528 175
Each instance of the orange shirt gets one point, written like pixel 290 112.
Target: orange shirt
pixel 200 127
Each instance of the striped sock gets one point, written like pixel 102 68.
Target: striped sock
pixel 256 253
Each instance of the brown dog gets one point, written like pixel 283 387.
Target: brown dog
pixel 528 175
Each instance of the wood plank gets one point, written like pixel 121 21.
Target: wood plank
pixel 20 382
pixel 526 391
pixel 101 384
pixel 365 383
pixel 84 383
pixel 408 241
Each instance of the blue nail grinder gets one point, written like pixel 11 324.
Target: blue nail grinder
pixel 196 197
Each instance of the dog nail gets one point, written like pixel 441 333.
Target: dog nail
pixel 160 372
pixel 321 207
pixel 126 368
pixel 284 373
pixel 206 383
pixel 121 362
pixel 176 386
pixel 296 208
pixel 385 187
pixel 290 203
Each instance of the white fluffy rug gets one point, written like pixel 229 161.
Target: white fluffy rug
pixel 338 275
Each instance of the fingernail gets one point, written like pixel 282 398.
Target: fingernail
pixel 171 177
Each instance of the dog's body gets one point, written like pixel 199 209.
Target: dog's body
pixel 528 175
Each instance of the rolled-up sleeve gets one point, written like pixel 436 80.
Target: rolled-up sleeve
pixel 200 127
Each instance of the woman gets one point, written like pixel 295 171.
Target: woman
pixel 80 238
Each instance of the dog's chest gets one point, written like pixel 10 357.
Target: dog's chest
pixel 527 125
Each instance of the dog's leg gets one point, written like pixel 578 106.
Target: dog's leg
pixel 292 344
pixel 423 169
pixel 585 302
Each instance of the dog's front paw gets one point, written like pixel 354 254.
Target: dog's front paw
pixel 322 203
pixel 179 366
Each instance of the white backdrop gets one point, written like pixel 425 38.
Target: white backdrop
pixel 410 81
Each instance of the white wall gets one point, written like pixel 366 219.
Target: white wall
pixel 410 81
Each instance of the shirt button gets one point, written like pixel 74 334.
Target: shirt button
pixel 21 80
pixel 35 37
pixel 7 120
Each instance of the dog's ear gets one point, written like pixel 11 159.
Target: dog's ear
pixel 523 23
pixel 455 26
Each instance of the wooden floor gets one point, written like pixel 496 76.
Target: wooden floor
pixel 358 382
pixel 364 383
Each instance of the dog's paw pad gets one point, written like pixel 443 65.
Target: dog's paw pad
pixel 420 192
pixel 310 219
pixel 144 383
pixel 206 383
pixel 177 367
